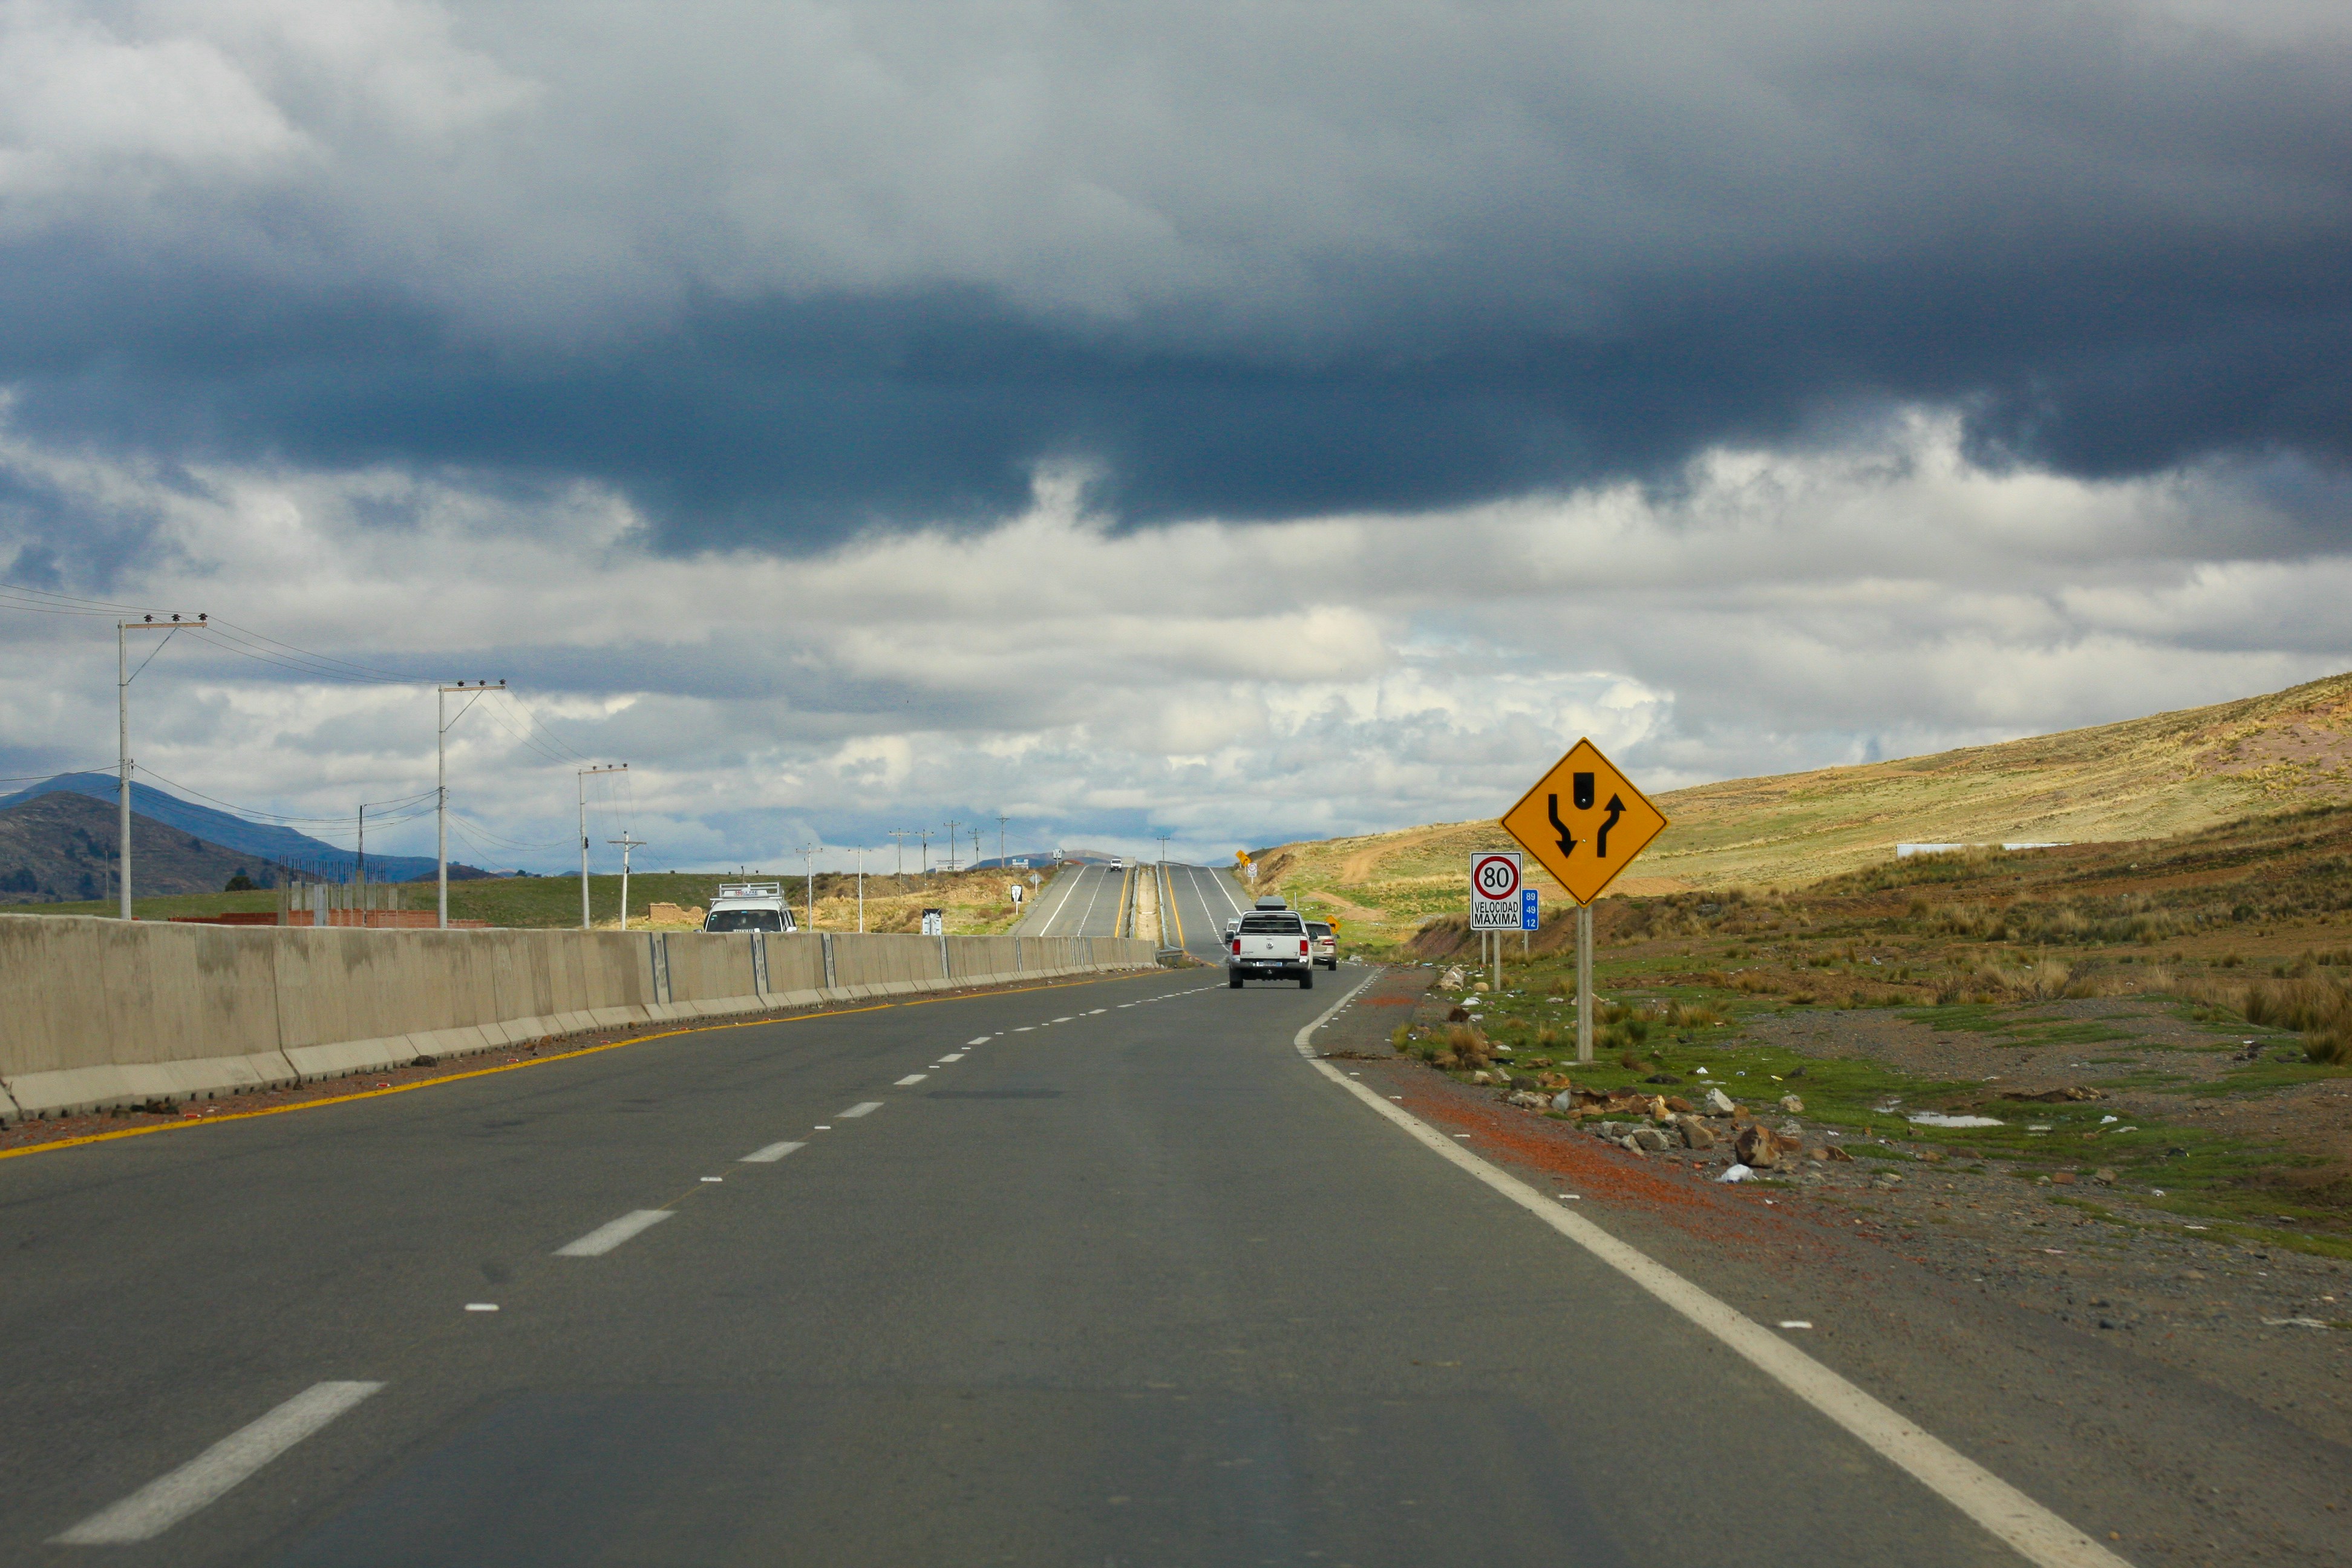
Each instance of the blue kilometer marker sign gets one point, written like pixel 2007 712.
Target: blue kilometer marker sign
pixel 1527 915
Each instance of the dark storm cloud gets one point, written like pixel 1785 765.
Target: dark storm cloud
pixel 1523 250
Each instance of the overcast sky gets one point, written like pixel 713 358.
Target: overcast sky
pixel 1236 422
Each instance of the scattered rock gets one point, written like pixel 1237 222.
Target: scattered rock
pixel 1480 987
pixel 1792 1105
pixel 2073 1091
pixel 1817 1154
pixel 1836 1154
pixel 1678 1105
pixel 1757 1147
pixel 1790 1133
pixel 1482 1076
pixel 1457 1014
pixel 1531 1100
pixel 2105 1177
pixel 1662 1078
pixel 427 1062
pixel 1932 1156
pixel 1631 1146
pixel 1886 1181
pixel 2063 1178
pixel 1651 1139
pixel 1452 979
pixel 1697 1135
pixel 1717 1103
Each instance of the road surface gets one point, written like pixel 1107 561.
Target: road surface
pixel 1083 900
pixel 1206 897
pixel 1095 1273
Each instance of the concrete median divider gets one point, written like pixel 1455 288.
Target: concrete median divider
pixel 97 1013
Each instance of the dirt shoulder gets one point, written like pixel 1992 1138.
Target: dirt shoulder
pixel 2148 1374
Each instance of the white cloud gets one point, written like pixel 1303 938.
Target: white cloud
pixel 1227 683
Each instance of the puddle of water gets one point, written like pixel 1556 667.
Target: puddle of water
pixel 1938 1119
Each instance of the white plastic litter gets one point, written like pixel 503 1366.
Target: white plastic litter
pixel 1938 1119
pixel 1735 1174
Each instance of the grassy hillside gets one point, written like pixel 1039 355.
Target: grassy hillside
pixel 2144 778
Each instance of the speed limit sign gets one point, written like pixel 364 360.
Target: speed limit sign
pixel 1494 891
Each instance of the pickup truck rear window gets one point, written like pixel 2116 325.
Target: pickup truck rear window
pixel 1273 925
pixel 744 919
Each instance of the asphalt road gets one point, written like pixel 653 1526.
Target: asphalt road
pixel 1102 1273
pixel 1207 898
pixel 1083 901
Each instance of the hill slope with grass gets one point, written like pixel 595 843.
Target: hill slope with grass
pixel 2143 778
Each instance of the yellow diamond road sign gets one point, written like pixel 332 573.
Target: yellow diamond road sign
pixel 1583 822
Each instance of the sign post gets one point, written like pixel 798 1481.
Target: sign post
pixel 1584 821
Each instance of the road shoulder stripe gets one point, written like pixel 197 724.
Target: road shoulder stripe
pixel 2024 1525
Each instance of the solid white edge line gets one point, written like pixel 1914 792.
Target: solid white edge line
pixel 863 1108
pixel 2024 1525
pixel 611 1233
pixel 771 1154
pixel 167 1499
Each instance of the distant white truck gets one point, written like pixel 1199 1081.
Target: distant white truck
pixel 749 906
pixel 1270 943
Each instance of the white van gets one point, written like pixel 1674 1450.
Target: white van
pixel 749 906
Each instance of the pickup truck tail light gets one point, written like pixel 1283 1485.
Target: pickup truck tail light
pixel 1237 947
pixel 1302 947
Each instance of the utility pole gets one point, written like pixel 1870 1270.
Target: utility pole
pixel 626 844
pixel 952 846
pixel 583 775
pixel 861 892
pixel 810 851
pixel 124 675
pixel 898 837
pixel 441 784
pixel 925 835
pixel 1163 849
pixel 359 872
pixel 1000 820
pixel 975 847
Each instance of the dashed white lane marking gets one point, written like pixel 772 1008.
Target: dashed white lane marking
pixel 1024 1029
pixel 2029 1530
pixel 952 1056
pixel 863 1108
pixel 481 1306
pixel 709 1178
pixel 167 1499
pixel 912 1077
pixel 611 1233
pixel 769 1156
pixel 1098 1013
pixel 982 1041
pixel 1063 1020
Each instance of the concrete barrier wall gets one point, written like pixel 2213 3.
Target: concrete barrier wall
pixel 96 1013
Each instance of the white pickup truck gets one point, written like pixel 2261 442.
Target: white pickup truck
pixel 1270 943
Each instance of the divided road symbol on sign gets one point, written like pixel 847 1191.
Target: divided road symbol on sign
pixel 1584 821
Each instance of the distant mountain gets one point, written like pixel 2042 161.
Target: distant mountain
pixel 281 846
pixel 59 848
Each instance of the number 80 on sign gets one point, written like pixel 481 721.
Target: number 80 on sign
pixel 1495 887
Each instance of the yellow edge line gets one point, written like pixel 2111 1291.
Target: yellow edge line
pixel 182 1126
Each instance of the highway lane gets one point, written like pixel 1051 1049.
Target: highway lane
pixel 1207 898
pixel 1083 901
pixel 1101 1272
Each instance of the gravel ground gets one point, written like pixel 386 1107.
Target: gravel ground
pixel 2118 1355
